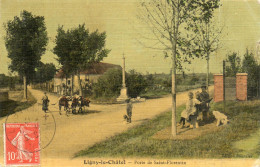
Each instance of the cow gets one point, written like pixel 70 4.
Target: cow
pixel 82 102
pixel 64 101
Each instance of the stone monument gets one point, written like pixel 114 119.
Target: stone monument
pixel 123 93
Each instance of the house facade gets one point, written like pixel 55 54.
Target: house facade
pixel 87 77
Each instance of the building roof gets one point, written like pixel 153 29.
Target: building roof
pixel 96 69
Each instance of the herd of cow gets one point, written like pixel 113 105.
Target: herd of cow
pixel 71 104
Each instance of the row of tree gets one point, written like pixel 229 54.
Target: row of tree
pixel 182 28
pixel 247 65
pixel 26 40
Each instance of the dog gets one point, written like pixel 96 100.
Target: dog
pixel 126 118
pixel 220 117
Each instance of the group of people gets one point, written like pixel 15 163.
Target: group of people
pixel 195 108
pixel 76 100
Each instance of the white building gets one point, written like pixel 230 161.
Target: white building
pixel 90 76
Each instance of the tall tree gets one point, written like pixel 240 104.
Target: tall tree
pixel 82 49
pixel 208 33
pixel 62 50
pixel 168 20
pixel 25 41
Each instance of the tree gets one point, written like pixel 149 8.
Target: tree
pixel 250 66
pixel 135 83
pixel 25 41
pixel 207 38
pixel 167 21
pixel 81 46
pixel 45 72
pixel 234 66
pixel 109 84
pixel 62 50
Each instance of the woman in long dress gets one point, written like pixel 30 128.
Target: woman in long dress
pixel 19 142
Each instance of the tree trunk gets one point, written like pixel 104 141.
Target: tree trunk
pixel 207 79
pixel 174 128
pixel 24 88
pixel 79 82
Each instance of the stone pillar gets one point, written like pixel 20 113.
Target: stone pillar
pixel 218 88
pixel 241 86
pixel 123 93
pixel 123 73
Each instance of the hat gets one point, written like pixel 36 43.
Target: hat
pixel 204 86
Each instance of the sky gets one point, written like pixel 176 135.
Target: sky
pixel 118 18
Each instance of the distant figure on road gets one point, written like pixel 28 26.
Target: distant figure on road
pixel 129 108
pixel 45 102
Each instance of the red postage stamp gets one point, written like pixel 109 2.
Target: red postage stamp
pixel 21 142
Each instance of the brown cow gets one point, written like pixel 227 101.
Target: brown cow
pixel 64 101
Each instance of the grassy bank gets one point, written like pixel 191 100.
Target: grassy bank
pixel 11 106
pixel 137 142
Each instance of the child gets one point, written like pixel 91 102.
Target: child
pixel 189 109
pixel 129 108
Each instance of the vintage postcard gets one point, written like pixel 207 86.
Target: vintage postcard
pixel 106 83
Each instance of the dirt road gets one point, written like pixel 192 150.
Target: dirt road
pixel 77 132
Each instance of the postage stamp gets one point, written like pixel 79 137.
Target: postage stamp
pixel 21 142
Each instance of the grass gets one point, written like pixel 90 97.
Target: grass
pixel 9 107
pixel 137 142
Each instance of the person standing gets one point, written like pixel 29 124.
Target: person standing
pixel 45 102
pixel 129 108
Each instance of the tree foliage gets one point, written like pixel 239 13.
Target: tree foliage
pixel 135 83
pixel 25 41
pixel 110 84
pixel 45 72
pixel 77 49
pixel 233 65
pixel 250 66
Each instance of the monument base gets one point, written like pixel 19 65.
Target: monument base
pixel 123 95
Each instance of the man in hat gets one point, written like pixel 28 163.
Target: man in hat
pixel 204 99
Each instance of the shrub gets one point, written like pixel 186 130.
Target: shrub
pixel 135 83
pixel 109 84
